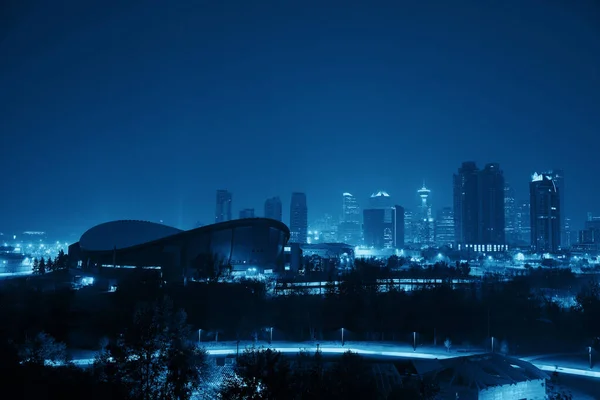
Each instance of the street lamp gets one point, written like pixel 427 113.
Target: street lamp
pixel 492 344
pixel 590 352
pixel 342 336
pixel 199 335
pixel 271 335
pixel 414 341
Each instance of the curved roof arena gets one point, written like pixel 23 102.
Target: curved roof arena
pixel 124 234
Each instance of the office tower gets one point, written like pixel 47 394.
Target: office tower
pixel 349 230
pixel 444 227
pixel 545 214
pixel 298 218
pixel 491 215
pixel 479 207
pixel 247 213
pixel 558 177
pixel 223 212
pixel 523 228
pixel 510 215
pixel 424 219
pixel 380 199
pixel 379 225
pixel 466 204
pixel 410 233
pixel 399 225
pixel 273 208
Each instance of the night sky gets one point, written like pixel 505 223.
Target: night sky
pixel 143 111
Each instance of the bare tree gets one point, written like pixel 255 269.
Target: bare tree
pixel 447 344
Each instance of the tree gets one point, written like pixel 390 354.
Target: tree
pixel 447 344
pixel 154 358
pixel 553 390
pixel 259 374
pixel 49 265
pixel 415 389
pixel 352 378
pixel 61 261
pixel 35 266
pixel 42 266
pixel 43 348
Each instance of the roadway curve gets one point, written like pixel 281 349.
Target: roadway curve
pixel 366 349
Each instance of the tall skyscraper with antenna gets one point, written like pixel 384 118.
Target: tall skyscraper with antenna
pixel 424 218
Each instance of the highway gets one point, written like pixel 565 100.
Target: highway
pixel 547 363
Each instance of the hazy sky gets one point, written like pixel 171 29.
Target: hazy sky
pixel 143 111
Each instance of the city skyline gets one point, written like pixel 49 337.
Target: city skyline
pixel 364 100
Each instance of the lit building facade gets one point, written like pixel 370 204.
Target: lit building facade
pixel 379 226
pixel 223 211
pixel 545 214
pixel 523 228
pixel 479 208
pixel 273 209
pixel 510 215
pixel 249 245
pixel 444 227
pixel 380 223
pixel 399 226
pixel 466 204
pixel 298 218
pixel 423 219
pixel 349 229
pixel 410 231
pixel 558 177
pixel 323 230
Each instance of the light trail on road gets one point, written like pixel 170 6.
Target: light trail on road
pixel 363 349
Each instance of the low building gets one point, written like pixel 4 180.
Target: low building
pixel 485 377
pixel 248 245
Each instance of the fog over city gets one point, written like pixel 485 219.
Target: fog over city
pixel 300 200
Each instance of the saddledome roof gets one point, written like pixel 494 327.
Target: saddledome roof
pixel 123 234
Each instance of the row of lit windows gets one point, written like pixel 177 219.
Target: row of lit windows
pixel 484 247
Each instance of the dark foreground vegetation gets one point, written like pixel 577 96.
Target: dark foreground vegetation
pixel 39 324
pixel 515 311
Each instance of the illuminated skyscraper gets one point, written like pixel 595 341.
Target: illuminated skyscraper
pixel 380 199
pixel 479 207
pixel 510 215
pixel 349 230
pixel 223 211
pixel 466 204
pixel 545 214
pixel 523 228
pixel 273 208
pixel 381 224
pixel 491 214
pixel 444 227
pixel 380 227
pixel 558 177
pixel 410 233
pixel 424 219
pixel 298 218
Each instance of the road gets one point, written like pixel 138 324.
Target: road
pixel 548 363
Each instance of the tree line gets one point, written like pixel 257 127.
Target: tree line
pixel 43 265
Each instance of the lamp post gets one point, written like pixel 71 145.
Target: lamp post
pixel 199 335
pixel 342 336
pixel 271 335
pixel 492 344
pixel 590 353
pixel 414 341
